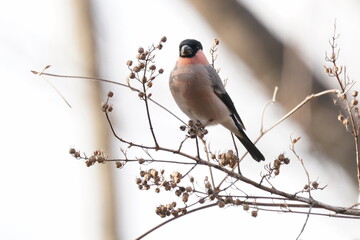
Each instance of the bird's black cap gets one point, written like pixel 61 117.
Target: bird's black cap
pixel 189 47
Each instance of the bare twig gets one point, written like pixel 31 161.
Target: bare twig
pixel 305 223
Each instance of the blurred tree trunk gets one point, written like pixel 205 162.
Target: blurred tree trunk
pixel 275 64
pixel 83 28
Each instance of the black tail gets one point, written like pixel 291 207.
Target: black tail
pixel 252 149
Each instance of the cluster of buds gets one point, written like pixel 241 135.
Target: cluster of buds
pixel 74 153
pixel 145 71
pixel 280 160
pixel 311 186
pixel 333 71
pixel 343 120
pixel 227 159
pixel 194 129
pixel 106 107
pixel 153 177
pixel 274 168
pixel 169 209
pixel 98 156
pixel 229 200
pixel 354 101
pixel 148 178
pixel 184 193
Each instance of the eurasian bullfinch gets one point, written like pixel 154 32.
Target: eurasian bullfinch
pixel 200 94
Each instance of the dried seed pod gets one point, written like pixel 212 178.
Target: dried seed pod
pixel 254 213
pixel 140 50
pixel 137 180
pixel 355 93
pixel 354 102
pixel 142 173
pixel 178 193
pixel 340 117
pixel 315 185
pixel 221 203
pixel 72 151
pixel 245 206
pixel 136 69
pixel 328 70
pixel 163 39
pixel 141 65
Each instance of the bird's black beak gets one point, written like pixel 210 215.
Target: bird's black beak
pixel 186 51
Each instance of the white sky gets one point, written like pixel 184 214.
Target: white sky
pixel 46 194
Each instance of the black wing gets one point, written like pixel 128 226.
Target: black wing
pixel 220 91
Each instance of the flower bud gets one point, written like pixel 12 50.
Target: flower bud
pixel 163 39
pixel 140 50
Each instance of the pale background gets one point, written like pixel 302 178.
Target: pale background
pixel 46 194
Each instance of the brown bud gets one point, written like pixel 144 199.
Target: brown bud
pixel 178 193
pixel 129 63
pixel 277 163
pixel 315 185
pixel 254 213
pixel 355 93
pixel 354 102
pixel 110 94
pixel 221 203
pixel 161 71
pixel 340 117
pixel 137 180
pixel 136 69
pixel 118 164
pixel 72 151
pixel 132 75
pixel 246 206
pixel 140 50
pixel 163 39
pixel 328 70
pixel 152 67
pixel 141 65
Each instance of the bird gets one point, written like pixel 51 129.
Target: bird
pixel 199 92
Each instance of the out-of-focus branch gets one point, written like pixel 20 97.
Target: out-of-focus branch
pixel 275 64
pixel 83 32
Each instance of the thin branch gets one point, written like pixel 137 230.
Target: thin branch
pixel 172 219
pixel 305 223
